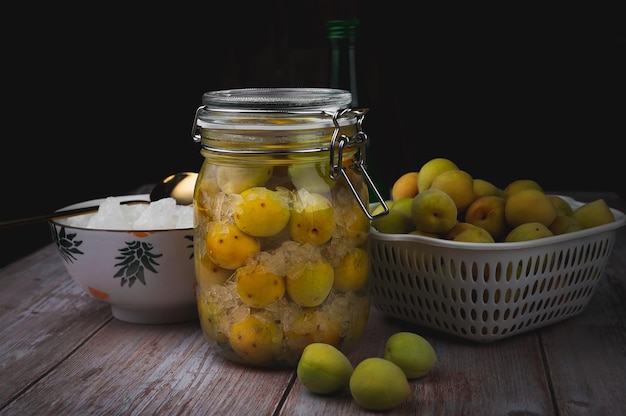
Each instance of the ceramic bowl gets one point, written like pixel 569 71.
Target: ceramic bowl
pixel 146 276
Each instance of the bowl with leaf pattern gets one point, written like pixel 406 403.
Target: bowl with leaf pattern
pixel 146 275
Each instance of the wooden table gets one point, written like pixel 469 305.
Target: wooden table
pixel 63 353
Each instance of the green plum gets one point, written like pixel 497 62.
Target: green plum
pixel 229 247
pixel 255 341
pixel 311 176
pixel 309 283
pixel 323 369
pixel 262 212
pixel 411 352
pixel 312 219
pixel 236 179
pixel 379 384
pixel 313 325
pixel 257 287
pixel 399 219
pixel 352 272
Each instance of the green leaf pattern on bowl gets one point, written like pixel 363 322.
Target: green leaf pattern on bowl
pixel 67 244
pixel 135 258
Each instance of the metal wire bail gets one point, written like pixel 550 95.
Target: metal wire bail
pixel 337 144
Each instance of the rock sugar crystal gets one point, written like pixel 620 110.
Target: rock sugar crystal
pixel 156 215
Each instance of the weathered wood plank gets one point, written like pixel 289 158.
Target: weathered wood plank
pixel 44 316
pixel 152 369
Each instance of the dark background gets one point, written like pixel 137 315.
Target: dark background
pixel 100 101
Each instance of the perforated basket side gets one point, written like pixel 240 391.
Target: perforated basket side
pixel 485 295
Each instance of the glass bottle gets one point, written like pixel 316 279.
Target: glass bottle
pixel 343 37
pixel 281 222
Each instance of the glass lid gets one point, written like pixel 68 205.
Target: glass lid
pixel 277 99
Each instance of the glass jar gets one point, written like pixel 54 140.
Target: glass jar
pixel 281 222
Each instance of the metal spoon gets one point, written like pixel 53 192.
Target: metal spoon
pixel 178 186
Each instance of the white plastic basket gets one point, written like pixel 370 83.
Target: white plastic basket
pixel 488 291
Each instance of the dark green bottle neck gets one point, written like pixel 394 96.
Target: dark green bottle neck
pixel 343 39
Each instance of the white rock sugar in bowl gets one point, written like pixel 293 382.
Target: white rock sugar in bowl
pixel 157 215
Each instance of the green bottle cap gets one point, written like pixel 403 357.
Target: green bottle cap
pixel 342 29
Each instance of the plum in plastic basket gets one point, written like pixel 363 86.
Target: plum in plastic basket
pixel 488 291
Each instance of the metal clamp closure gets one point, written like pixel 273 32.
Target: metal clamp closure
pixel 195 129
pixel 337 144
